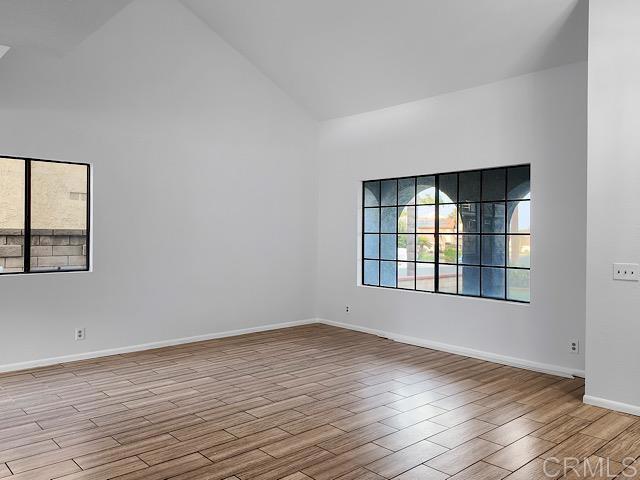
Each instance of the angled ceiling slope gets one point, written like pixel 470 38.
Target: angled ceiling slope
pixel 55 26
pixel 341 57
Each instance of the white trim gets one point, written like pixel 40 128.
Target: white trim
pixel 462 298
pixel 12 367
pixel 468 352
pixel 420 342
pixel 611 404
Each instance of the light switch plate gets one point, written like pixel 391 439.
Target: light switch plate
pixel 629 272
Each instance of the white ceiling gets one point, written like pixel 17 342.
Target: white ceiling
pixel 52 25
pixel 340 57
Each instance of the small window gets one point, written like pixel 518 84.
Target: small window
pixel 43 205
pixel 462 233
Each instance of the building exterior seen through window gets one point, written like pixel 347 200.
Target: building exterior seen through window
pixel 462 233
pixel 45 205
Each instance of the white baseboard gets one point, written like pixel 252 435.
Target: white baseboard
pixel 44 362
pixel 611 405
pixel 467 352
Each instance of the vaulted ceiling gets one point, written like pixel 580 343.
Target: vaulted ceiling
pixel 341 57
pixel 55 26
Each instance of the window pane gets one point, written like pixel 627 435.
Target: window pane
pixel 407 219
pixel 519 217
pixel 426 219
pixel 473 230
pixel 371 245
pixel 11 215
pixel 493 250
pixel 519 251
pixel 425 277
pixel 518 183
pixel 448 249
pixel 371 220
pixel 493 282
pixel 370 272
pixel 406 247
pixel 469 280
pixel 469 187
pixel 447 278
pixel 389 192
pixel 493 217
pixel 388 247
pixel 447 219
pixel 372 194
pixel 518 286
pixel 388 274
pixel 406 275
pixel 469 249
pixel 406 191
pixel 388 219
pixel 469 217
pixel 426 246
pixel 58 216
pixel 448 188
pixel 493 184
pixel 427 190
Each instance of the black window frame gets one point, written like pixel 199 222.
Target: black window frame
pixel 436 263
pixel 26 251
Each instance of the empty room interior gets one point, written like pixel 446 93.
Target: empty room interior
pixel 319 239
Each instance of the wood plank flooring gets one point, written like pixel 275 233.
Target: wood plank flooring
pixel 305 403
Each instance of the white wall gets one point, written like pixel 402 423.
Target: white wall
pixel 205 196
pixel 539 119
pixel 613 356
pixel 203 216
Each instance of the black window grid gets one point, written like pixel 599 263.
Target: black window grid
pixel 480 233
pixel 27 234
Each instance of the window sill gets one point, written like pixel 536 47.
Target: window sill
pixel 27 274
pixel 453 295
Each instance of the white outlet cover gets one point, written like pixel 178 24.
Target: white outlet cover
pixel 577 346
pixel 629 272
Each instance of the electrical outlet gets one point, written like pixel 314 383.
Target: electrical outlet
pixel 629 272
pixel 80 334
pixel 346 309
pixel 574 346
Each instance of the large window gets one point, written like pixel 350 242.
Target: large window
pixel 463 233
pixel 43 205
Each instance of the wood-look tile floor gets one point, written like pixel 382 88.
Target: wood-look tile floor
pixel 313 402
